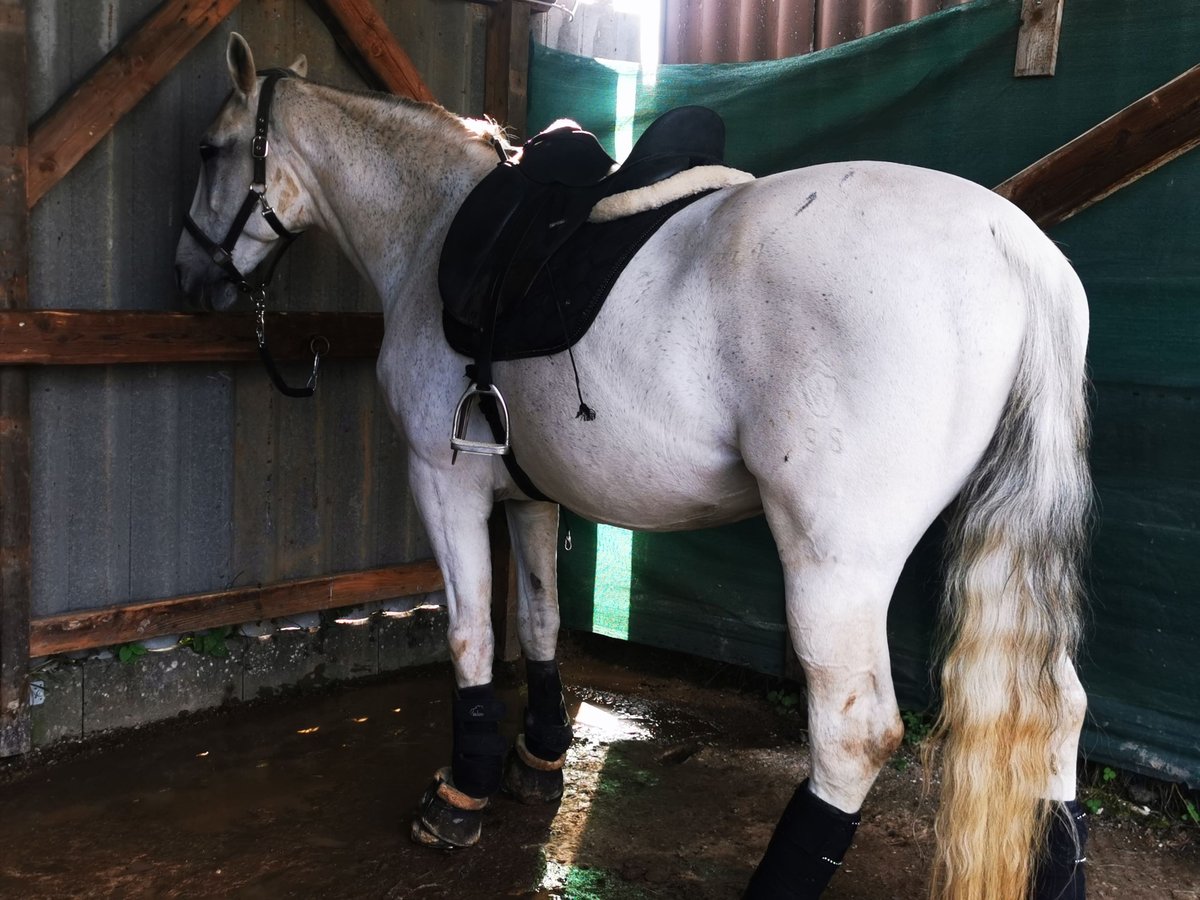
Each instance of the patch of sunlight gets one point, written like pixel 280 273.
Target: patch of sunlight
pixel 614 580
pixel 606 726
pixel 627 91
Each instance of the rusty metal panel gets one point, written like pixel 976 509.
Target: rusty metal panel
pixel 736 30
pixel 714 31
pixel 150 481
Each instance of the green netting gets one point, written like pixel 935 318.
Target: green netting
pixel 939 92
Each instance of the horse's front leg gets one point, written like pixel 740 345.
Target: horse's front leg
pixel 455 508
pixel 533 773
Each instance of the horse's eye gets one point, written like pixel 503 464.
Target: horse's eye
pixel 207 152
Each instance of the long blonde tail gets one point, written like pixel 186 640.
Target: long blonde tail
pixel 1012 601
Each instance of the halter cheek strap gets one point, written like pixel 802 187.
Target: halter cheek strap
pixel 222 253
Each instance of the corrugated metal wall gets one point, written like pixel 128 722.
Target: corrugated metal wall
pixel 151 481
pixel 709 31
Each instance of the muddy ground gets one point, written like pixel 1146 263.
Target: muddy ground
pixel 678 772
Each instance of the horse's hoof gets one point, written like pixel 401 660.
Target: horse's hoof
pixel 531 779
pixel 449 819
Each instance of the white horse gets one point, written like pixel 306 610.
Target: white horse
pixel 846 348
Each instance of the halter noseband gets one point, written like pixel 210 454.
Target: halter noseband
pixel 222 253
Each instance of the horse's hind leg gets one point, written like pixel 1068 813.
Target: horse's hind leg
pixel 1060 872
pixel 533 773
pixel 837 617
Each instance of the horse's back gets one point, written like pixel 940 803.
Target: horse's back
pixel 853 325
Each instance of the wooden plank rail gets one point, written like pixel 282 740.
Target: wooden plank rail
pixel 113 625
pixel 1137 140
pixel 121 80
pixel 106 337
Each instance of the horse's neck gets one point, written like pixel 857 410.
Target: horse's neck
pixel 386 179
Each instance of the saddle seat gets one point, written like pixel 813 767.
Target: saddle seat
pixel 525 210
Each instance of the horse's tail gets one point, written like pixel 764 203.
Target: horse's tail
pixel 1012 600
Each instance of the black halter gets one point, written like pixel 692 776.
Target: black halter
pixel 222 253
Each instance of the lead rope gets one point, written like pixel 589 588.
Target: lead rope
pixel 264 352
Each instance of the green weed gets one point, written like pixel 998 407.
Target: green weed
pixel 213 642
pixel 129 653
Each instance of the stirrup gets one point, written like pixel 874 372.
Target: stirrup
pixel 462 415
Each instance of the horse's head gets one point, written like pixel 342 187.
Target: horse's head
pixel 248 196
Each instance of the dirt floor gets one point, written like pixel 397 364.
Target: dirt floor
pixel 678 772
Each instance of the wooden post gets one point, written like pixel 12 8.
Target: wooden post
pixel 121 80
pixel 504 589
pixel 14 386
pixel 1037 42
pixel 506 75
pixel 506 69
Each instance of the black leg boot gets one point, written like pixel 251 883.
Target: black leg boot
pixel 805 850
pixel 452 809
pixel 1060 873
pixel 533 772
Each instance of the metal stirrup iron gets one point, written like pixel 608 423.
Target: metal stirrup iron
pixel 460 443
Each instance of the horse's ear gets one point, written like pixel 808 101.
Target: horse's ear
pixel 241 64
pixel 300 66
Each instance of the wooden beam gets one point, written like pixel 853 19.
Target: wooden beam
pixel 1037 41
pixel 122 79
pixel 15 507
pixel 506 66
pixel 369 35
pixel 112 625
pixel 504 588
pixel 1137 140
pixel 108 337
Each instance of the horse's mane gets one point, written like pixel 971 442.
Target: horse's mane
pixel 486 131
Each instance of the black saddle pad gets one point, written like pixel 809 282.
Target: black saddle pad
pixel 568 291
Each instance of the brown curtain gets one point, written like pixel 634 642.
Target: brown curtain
pixel 707 31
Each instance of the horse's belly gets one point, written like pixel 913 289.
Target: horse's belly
pixel 637 468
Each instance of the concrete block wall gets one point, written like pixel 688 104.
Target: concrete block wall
pixel 76 698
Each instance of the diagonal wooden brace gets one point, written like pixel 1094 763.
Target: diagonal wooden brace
pixel 1137 140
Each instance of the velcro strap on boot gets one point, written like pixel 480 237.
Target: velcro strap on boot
pixel 536 762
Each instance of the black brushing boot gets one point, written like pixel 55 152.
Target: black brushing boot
pixel 805 850
pixel 452 809
pixel 533 772
pixel 1060 873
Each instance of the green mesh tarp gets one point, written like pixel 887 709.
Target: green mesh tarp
pixel 940 93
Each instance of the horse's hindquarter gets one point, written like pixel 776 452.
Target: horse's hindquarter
pixel 850 328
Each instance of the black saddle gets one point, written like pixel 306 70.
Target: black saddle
pixel 523 273
pixel 522 213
